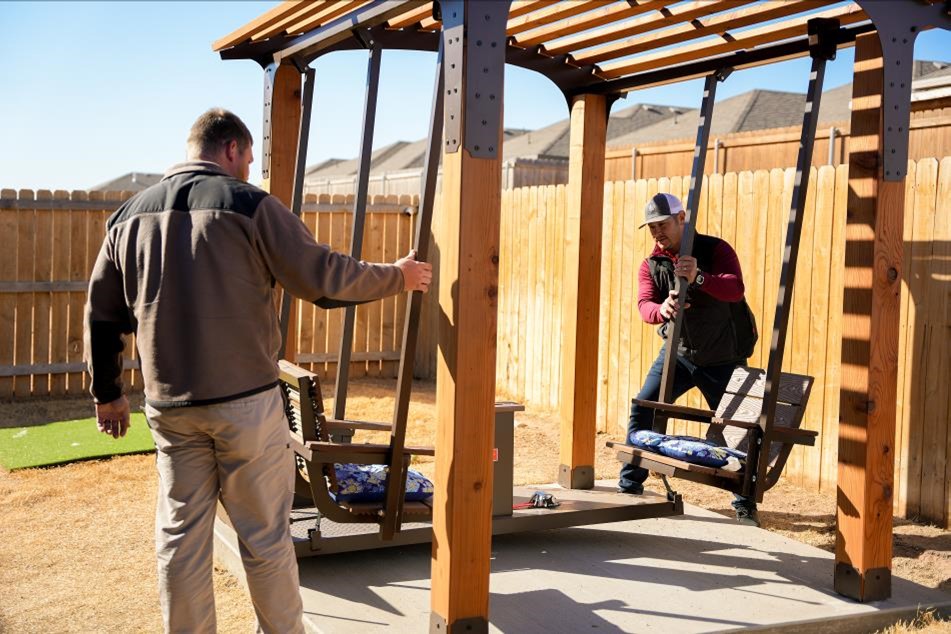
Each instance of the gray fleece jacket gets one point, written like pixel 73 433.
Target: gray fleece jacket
pixel 189 265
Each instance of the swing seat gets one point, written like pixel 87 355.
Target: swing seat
pixel 690 449
pixel 345 481
pixel 731 427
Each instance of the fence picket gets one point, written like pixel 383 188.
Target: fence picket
pixel 8 301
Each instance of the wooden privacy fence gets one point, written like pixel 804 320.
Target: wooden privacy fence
pixel 749 210
pixel 50 241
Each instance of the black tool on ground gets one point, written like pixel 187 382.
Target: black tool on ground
pixel 539 500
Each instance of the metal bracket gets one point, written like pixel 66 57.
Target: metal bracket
pixel 722 73
pixel 269 73
pixel 823 38
pixel 898 23
pixel 453 25
pixel 485 76
pixel 474 42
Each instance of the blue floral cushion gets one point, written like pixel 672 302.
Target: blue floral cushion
pixel 367 483
pixel 689 449
pixel 703 452
pixel 647 439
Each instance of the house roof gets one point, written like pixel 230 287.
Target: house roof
pixel 133 182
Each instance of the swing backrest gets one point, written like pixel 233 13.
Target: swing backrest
pixel 743 401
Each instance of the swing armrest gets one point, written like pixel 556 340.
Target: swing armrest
pixel 794 436
pixel 359 453
pixel 334 424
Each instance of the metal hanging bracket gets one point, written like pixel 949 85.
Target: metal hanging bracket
pixel 823 38
pixel 477 47
pixel 270 71
pixel 898 23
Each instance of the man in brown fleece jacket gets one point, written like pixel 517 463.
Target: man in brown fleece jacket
pixel 190 265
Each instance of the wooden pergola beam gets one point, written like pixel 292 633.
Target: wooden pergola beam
pixel 698 27
pixel 869 379
pixel 582 288
pixel 264 21
pixel 611 13
pixel 410 17
pixel 521 7
pixel 796 27
pixel 661 18
pixel 311 15
pixel 468 241
pixel 283 117
pixel 560 11
pixel 328 13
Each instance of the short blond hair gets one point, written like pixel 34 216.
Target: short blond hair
pixel 216 129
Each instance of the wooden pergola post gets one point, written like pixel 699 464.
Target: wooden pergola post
pixel 282 114
pixel 582 284
pixel 873 260
pixel 468 242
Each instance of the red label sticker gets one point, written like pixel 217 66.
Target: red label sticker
pixel 495 454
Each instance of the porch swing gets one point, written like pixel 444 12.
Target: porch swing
pixel 321 443
pixel 761 411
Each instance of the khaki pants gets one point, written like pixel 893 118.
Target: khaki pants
pixel 239 451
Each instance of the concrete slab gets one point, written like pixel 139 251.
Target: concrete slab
pixel 699 572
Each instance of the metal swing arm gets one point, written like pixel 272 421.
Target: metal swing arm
pixel 396 487
pixel 822 48
pixel 359 221
pixel 686 240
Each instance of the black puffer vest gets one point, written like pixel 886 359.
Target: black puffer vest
pixel 708 335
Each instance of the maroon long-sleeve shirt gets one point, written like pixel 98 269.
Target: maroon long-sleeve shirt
pixel 724 282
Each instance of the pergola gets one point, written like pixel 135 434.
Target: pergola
pixel 595 51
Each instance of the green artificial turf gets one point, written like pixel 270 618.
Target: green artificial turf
pixel 56 443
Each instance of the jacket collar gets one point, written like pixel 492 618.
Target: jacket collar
pixel 206 167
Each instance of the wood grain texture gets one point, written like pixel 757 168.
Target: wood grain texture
pixel 8 301
pixel 468 245
pixel 873 257
pixel 285 115
pixel 582 276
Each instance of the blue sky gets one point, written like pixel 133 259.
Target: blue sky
pixel 92 90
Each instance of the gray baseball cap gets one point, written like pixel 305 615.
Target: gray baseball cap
pixel 661 207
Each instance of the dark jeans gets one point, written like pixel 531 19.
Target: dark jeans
pixel 710 380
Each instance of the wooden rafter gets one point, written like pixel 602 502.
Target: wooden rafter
pixel 548 15
pixel 316 12
pixel 329 13
pixel 519 8
pixel 696 28
pixel 728 43
pixel 269 18
pixel 605 15
pixel 411 17
pixel 663 17
pixel 702 27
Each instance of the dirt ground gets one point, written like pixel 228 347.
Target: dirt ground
pixel 76 541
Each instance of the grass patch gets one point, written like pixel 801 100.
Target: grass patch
pixel 68 441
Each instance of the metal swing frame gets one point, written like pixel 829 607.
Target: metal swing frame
pixel 755 399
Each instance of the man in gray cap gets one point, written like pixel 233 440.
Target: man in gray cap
pixel 712 344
